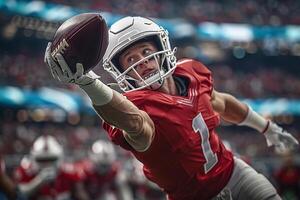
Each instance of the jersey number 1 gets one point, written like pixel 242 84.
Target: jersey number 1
pixel 200 127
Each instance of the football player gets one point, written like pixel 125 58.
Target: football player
pixel 287 177
pixel 142 188
pixel 103 176
pixel 8 189
pixel 43 175
pixel 168 115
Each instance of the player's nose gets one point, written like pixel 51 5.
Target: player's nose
pixel 144 62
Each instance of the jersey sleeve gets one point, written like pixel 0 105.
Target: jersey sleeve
pixel 205 76
pixel 116 136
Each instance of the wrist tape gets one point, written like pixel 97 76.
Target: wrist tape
pixel 98 92
pixel 254 120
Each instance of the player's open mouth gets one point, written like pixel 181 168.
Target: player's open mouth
pixel 152 73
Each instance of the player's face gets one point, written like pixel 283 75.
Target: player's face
pixel 136 53
pixel 45 163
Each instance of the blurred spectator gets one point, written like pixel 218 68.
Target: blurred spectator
pixel 260 82
pixel 18 70
pixel 24 71
pixel 288 178
pixel 43 175
pixel 258 12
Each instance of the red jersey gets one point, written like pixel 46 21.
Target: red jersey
pixel 97 183
pixel 60 188
pixel 288 178
pixel 186 157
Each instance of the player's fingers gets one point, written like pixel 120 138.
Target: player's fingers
pixel 56 75
pixel 48 57
pixel 280 148
pixel 79 70
pixel 289 139
pixel 93 75
pixel 59 73
pixel 52 66
pixel 269 143
pixel 52 73
pixel 64 66
pixel 47 52
pixel 293 140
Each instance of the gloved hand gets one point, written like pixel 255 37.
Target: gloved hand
pixel 62 72
pixel 47 175
pixel 282 140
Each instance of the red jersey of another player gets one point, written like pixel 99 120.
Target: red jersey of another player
pixel 186 158
pixel 97 181
pixel 60 188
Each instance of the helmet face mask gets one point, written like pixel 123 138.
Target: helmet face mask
pixel 46 152
pixel 127 32
pixel 152 80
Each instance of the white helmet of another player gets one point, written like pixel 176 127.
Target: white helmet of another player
pixel 128 31
pixel 103 154
pixel 46 151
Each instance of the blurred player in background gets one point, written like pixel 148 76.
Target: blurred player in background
pixel 288 178
pixel 142 188
pixel 103 176
pixel 43 175
pixel 169 116
pixel 8 189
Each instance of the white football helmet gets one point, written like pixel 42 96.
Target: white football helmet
pixel 103 155
pixel 128 31
pixel 46 151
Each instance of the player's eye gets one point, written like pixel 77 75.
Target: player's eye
pixel 130 60
pixel 147 52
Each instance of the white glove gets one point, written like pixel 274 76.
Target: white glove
pixel 282 140
pixel 62 72
pixel 47 175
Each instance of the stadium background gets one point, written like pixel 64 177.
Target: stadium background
pixel 252 47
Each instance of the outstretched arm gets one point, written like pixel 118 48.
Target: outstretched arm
pixel 112 107
pixel 137 126
pixel 234 111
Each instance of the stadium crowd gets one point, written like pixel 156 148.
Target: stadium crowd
pixel 271 12
pixel 16 70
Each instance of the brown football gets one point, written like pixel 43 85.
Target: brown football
pixel 81 39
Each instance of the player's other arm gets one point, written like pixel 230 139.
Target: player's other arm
pixel 230 108
pixel 234 111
